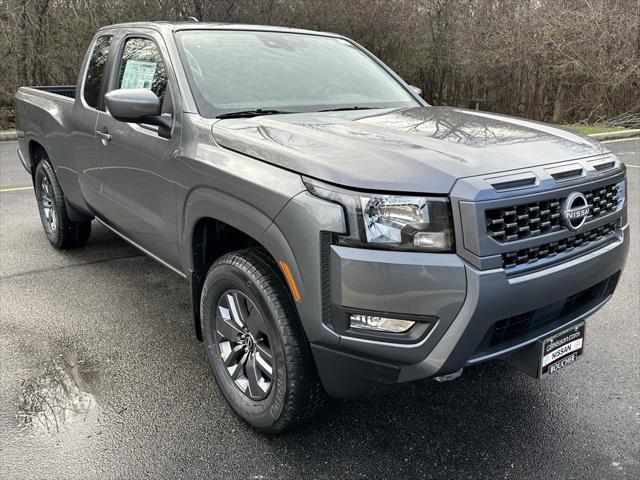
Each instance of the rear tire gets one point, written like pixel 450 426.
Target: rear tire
pixel 60 230
pixel 264 340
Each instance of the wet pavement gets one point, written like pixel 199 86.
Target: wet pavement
pixel 102 377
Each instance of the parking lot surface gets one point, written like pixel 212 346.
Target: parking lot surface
pixel 103 336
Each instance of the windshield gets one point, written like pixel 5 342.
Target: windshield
pixel 233 71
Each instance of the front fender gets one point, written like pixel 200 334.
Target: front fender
pixel 207 202
pixel 301 236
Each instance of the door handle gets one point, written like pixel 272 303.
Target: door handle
pixel 104 135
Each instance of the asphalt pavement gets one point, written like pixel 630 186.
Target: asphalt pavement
pixel 103 336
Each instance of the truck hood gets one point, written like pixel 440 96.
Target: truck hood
pixel 420 150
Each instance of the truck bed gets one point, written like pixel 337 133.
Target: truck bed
pixel 44 114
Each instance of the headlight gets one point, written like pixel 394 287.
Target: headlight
pixel 398 222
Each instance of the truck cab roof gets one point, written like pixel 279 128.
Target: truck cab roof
pixel 168 27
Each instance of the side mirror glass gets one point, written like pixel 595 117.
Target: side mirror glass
pixel 416 90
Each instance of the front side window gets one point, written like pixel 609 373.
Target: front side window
pixel 142 67
pixel 95 71
pixel 243 70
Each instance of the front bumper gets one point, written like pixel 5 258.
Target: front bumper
pixel 464 304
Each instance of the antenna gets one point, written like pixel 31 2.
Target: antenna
pixel 193 19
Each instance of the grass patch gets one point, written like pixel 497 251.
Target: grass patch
pixel 591 129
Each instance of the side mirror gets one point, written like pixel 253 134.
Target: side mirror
pixel 416 90
pixel 137 105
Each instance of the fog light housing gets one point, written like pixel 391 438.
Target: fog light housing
pixel 379 324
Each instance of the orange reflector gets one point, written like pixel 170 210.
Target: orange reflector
pixel 292 283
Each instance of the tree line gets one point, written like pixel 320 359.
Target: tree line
pixel 550 60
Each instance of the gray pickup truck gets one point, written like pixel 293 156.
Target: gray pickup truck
pixel 337 232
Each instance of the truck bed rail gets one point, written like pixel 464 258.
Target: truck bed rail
pixel 64 90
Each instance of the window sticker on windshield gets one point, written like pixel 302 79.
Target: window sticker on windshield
pixel 138 74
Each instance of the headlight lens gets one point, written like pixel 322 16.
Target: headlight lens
pixel 399 222
pixel 407 222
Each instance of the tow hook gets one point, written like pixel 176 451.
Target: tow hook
pixel 449 377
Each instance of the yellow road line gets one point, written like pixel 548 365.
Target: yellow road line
pixel 14 189
pixel 632 166
pixel 620 140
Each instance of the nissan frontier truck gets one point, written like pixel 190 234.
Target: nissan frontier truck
pixel 337 232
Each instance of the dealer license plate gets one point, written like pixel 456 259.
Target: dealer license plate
pixel 562 349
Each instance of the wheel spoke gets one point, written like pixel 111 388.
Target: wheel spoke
pixel 238 308
pixel 265 351
pixel 234 357
pixel 228 329
pixel 240 369
pixel 46 193
pixel 264 360
pixel 253 376
pixel 255 322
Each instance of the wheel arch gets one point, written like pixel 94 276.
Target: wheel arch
pixel 36 152
pixel 216 224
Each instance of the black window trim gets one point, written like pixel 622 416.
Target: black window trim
pixel 105 74
pixel 114 69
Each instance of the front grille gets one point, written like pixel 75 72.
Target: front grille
pixel 551 249
pixel 526 220
pixel 520 326
pixel 602 200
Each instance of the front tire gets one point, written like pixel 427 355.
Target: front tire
pixel 254 343
pixel 60 230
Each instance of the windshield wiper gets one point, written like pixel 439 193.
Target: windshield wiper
pixel 251 113
pixel 344 109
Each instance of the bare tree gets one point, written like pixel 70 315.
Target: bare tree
pixel 559 60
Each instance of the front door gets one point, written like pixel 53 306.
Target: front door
pixel 137 165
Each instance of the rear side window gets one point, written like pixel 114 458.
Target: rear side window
pixel 95 72
pixel 142 67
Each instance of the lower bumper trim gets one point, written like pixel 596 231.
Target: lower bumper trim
pixel 349 376
pixel 505 352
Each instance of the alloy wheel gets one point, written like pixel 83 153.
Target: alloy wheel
pixel 242 339
pixel 48 207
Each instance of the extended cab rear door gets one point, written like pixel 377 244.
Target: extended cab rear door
pixel 81 189
pixel 137 162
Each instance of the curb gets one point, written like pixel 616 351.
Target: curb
pixel 616 135
pixel 8 135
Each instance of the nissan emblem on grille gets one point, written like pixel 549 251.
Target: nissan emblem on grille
pixel 574 211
